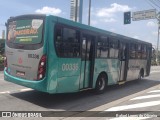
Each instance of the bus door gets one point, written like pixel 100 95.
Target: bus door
pixel 87 61
pixel 123 53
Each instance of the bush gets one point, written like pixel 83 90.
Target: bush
pixel 1 60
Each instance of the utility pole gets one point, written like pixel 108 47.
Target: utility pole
pixel 76 11
pixel 158 18
pixel 89 13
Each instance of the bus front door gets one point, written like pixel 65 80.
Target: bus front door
pixel 123 62
pixel 87 62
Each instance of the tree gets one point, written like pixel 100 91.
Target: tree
pixel 153 62
pixel 2 46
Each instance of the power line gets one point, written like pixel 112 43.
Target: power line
pixel 150 4
pixel 154 3
pixel 158 0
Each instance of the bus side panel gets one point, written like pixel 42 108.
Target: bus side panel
pixel 134 67
pixel 68 74
pixel 51 57
pixel 110 66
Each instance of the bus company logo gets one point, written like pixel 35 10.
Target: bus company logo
pixel 6 114
pixel 20 61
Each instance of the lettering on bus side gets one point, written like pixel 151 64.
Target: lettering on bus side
pixel 35 56
pixel 70 67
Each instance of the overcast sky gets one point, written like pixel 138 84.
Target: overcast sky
pixel 105 14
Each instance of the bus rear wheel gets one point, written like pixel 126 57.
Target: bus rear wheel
pixel 101 84
pixel 141 74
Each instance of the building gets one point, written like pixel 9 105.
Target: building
pixel 3 34
pixel 76 16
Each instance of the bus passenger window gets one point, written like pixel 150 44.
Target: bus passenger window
pixel 102 47
pixel 138 51
pixel 84 45
pixel 59 34
pixel 144 51
pixel 67 42
pixel 113 48
pixel 132 51
pixel 122 51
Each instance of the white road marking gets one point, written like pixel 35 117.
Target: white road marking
pixel 4 92
pixel 153 91
pixel 144 97
pixel 21 90
pixel 27 89
pixel 129 118
pixel 139 105
pixel 154 71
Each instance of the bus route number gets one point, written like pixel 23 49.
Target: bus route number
pixel 69 67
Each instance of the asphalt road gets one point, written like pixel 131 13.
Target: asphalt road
pixel 18 98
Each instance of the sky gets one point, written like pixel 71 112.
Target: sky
pixel 105 14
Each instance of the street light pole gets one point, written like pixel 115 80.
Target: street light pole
pixel 89 13
pixel 157 41
pixel 76 11
pixel 158 18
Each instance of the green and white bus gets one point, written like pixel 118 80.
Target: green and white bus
pixel 56 55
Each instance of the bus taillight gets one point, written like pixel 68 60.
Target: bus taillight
pixel 42 68
pixel 5 61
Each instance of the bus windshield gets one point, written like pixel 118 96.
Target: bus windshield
pixel 27 31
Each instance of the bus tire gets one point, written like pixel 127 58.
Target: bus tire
pixel 101 83
pixel 141 74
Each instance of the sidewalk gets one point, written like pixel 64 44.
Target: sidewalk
pixel 104 110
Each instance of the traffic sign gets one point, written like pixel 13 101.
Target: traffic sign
pixel 158 16
pixel 127 17
pixel 144 15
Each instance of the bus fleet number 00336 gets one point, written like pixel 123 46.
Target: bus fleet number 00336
pixel 70 67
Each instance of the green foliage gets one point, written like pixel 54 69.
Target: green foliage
pixel 1 60
pixel 153 62
pixel 2 46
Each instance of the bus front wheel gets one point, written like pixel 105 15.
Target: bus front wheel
pixel 101 83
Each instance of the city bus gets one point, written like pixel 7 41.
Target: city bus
pixel 55 55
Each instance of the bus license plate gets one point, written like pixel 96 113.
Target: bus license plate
pixel 20 73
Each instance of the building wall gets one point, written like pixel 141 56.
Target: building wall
pixel 79 10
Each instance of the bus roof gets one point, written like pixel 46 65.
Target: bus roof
pixel 80 26
pixel 100 31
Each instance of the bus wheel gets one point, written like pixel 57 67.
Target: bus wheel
pixel 101 83
pixel 141 74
